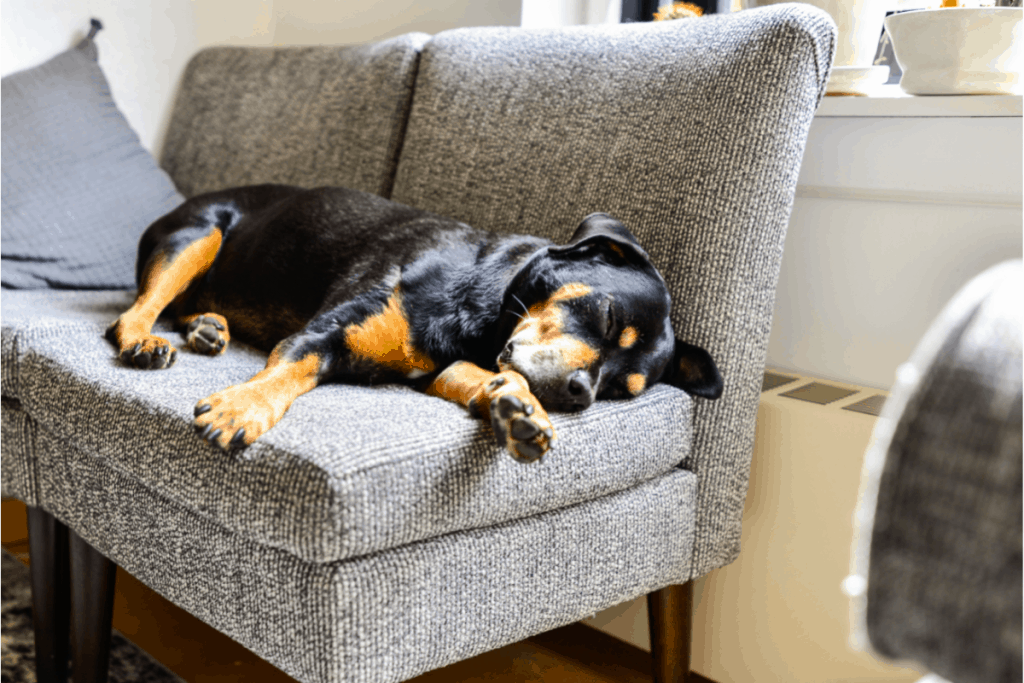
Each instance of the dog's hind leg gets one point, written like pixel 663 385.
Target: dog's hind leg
pixel 238 415
pixel 177 260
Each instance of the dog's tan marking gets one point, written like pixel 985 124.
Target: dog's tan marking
pixel 636 383
pixel 461 382
pixel 162 282
pixel 572 290
pixel 260 403
pixel 385 339
pixel 628 337
pixel 543 326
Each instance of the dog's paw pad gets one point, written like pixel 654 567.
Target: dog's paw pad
pixel 521 426
pixel 151 353
pixel 207 334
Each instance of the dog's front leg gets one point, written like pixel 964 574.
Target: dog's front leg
pixel 505 400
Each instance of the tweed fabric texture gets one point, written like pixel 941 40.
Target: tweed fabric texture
pixel 78 187
pixel 17 461
pixel 27 316
pixel 690 132
pixel 349 470
pixel 390 615
pixel 940 525
pixel 305 116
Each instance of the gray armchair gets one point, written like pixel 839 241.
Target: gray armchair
pixel 377 533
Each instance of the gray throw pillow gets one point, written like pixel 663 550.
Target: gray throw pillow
pixel 78 187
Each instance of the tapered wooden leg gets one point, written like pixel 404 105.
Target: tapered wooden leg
pixel 670 613
pixel 92 607
pixel 48 557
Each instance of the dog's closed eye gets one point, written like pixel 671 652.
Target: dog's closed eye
pixel 607 310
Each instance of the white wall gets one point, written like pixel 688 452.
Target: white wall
pixel 893 215
pixel 144 46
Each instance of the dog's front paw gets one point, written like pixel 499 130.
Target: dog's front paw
pixel 520 422
pixel 207 333
pixel 145 352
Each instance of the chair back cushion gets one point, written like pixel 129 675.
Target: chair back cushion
pixel 307 116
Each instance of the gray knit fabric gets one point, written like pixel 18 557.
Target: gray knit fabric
pixel 348 471
pixel 17 461
pixel 78 186
pixel 304 116
pixel 691 132
pixel 390 615
pixel 940 520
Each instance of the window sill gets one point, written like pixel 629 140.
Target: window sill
pixel 888 101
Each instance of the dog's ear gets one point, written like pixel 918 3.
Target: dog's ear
pixel 693 371
pixel 602 229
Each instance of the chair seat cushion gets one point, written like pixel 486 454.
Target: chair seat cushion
pixel 349 470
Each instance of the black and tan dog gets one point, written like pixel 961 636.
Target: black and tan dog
pixel 343 286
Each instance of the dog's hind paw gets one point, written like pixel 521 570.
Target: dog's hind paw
pixel 206 333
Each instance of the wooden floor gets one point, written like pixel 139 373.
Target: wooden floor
pixel 200 654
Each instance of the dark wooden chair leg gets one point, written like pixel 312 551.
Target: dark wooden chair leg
pixel 92 607
pixel 670 614
pixel 48 557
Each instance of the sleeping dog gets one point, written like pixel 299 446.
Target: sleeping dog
pixel 343 286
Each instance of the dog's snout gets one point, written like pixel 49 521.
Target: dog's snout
pixel 506 353
pixel 577 391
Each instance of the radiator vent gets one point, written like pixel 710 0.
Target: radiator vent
pixel 819 393
pixel 774 381
pixel 823 394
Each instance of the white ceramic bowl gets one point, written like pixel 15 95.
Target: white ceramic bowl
pixel 960 50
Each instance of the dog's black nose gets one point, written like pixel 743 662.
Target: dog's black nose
pixel 577 392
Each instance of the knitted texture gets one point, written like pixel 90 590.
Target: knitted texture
pixel 78 186
pixel 940 519
pixel 17 461
pixel 348 471
pixel 690 132
pixel 305 116
pixel 390 615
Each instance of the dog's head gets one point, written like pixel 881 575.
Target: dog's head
pixel 590 320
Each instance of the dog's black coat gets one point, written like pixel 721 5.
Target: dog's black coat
pixel 305 266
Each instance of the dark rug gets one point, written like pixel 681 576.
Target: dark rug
pixel 128 664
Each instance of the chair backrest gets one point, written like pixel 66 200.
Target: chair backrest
pixel 304 116
pixel 691 132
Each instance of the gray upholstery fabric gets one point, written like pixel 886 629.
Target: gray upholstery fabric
pixel 304 116
pixel 17 464
pixel 28 316
pixel 940 519
pixel 78 187
pixel 691 132
pixel 348 471
pixel 390 615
